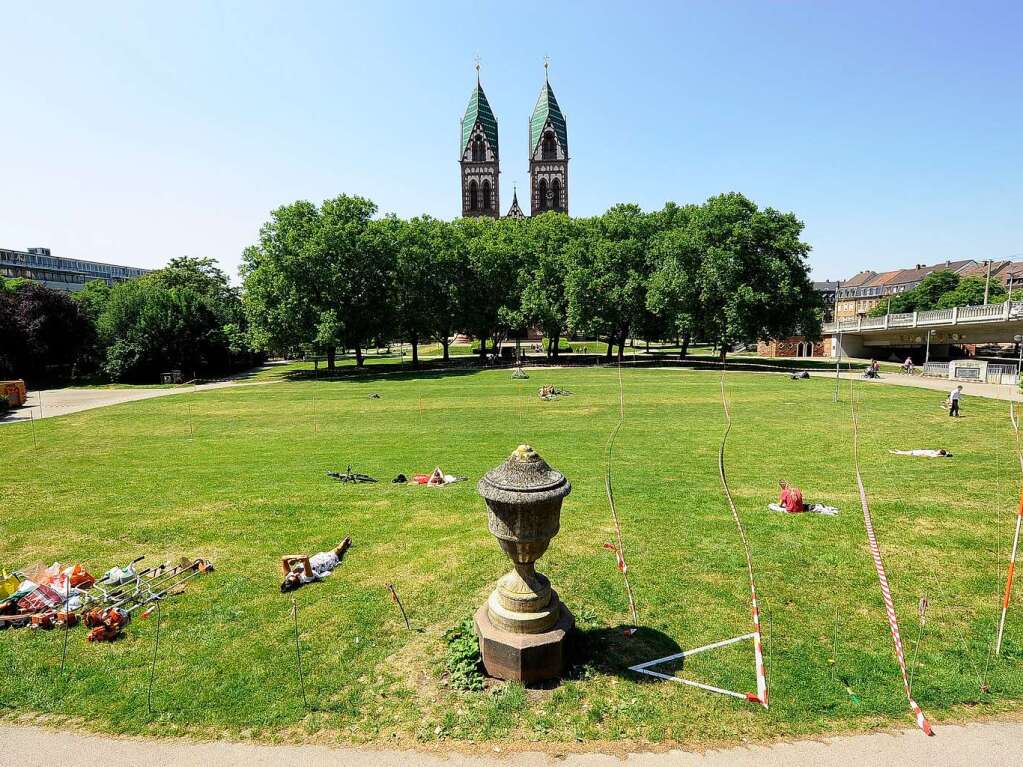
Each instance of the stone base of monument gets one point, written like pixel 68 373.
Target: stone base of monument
pixel 524 657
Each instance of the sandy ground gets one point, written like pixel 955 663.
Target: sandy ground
pixel 988 744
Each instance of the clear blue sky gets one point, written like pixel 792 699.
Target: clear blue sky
pixel 140 131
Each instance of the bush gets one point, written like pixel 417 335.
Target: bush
pixel 463 660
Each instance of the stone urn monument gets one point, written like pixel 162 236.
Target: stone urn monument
pixel 524 627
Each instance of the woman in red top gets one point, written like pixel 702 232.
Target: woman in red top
pixel 791 498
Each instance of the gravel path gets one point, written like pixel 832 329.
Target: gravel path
pixel 989 744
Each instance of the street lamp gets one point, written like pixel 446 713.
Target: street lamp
pixel 927 355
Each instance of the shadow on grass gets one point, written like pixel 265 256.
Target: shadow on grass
pixel 609 650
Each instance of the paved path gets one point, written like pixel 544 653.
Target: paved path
pixel 944 385
pixel 988 744
pixel 50 403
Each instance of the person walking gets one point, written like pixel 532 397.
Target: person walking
pixel 953 401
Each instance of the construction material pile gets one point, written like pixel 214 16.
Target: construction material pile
pixel 48 597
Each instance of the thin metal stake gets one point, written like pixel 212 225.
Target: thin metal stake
pixel 152 668
pixel 298 651
pixel 397 601
pixel 189 405
pixel 31 418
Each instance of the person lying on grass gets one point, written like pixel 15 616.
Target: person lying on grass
pixel 302 568
pixel 940 453
pixel 790 501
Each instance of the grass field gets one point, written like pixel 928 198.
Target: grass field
pixel 238 476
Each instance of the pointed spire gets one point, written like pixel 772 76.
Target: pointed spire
pixel 547 110
pixel 515 211
pixel 546 66
pixel 479 111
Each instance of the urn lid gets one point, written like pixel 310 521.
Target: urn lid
pixel 524 478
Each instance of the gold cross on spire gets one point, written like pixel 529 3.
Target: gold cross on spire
pixel 546 65
pixel 476 59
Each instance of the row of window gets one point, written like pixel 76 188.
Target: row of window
pixel 880 290
pixel 48 275
pixel 54 262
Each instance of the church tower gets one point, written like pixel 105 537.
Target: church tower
pixel 548 154
pixel 479 157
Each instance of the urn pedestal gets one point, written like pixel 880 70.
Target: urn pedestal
pixel 524 628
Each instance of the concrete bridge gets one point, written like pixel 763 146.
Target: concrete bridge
pixel 868 336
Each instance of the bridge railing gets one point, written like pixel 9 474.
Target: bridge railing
pixel 936 317
pixel 952 316
pixel 936 369
pixel 979 313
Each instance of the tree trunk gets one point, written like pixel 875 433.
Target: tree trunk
pixel 555 343
pixel 684 348
pixel 723 354
pixel 610 348
pixel 647 345
pixel 483 348
pixel 621 347
pixel 358 356
pixel 331 357
pixel 444 342
pixel 415 350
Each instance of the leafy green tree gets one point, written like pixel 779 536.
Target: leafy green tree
pixel 673 294
pixel 970 292
pixel 923 298
pixel 319 276
pixel 282 293
pixel 490 306
pixel 607 279
pixel 179 317
pixel 451 279
pixel 93 298
pixel 753 279
pixel 417 280
pixel 45 335
pixel 543 272
pixel 355 263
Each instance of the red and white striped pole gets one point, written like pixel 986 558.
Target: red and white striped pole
pixel 1008 580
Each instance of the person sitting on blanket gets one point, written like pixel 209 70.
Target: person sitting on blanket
pixel 940 453
pixel 790 501
pixel 300 569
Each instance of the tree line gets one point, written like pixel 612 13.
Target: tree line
pixel 942 290
pixel 334 278
pixel 186 316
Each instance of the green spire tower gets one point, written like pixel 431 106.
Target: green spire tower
pixel 548 153
pixel 479 156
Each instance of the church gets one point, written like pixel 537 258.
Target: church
pixel 480 158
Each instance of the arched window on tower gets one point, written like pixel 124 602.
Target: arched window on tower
pixel 541 193
pixel 474 196
pixel 549 150
pixel 486 195
pixel 556 194
pixel 478 152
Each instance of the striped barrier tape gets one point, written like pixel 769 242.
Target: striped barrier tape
pixel 1016 538
pixel 758 645
pixel 886 592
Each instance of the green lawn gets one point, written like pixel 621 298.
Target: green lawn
pixel 249 484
